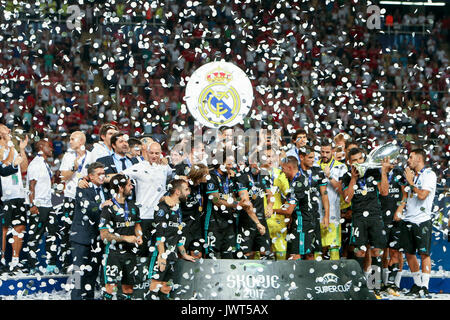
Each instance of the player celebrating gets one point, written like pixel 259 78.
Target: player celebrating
pixel 120 230
pixel 192 209
pixel 417 227
pixel 300 139
pixel 169 227
pixel 390 204
pixel 253 235
pixel 367 222
pixel 333 170
pixel 277 220
pixel 219 225
pixel 13 207
pixel 307 195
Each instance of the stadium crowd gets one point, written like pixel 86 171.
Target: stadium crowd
pixel 319 74
pixel 315 64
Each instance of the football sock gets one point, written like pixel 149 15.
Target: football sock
pixel 386 276
pixel 398 278
pixel 334 254
pixel 376 267
pixel 425 279
pixel 417 278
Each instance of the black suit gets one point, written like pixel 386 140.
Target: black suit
pixel 85 239
pixel 110 168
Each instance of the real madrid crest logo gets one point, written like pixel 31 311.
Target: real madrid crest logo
pixel 219 94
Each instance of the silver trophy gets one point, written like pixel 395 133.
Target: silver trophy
pixel 376 156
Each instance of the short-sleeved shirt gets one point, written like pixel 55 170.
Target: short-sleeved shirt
pixel 113 218
pixel 12 185
pixel 226 187
pixel 168 224
pixel 67 163
pixel 257 186
pixel 315 178
pixel 366 201
pixel 279 187
pixel 40 171
pixel 418 211
pixel 151 185
pixel 337 170
pixel 391 202
pixel 305 192
pixel 190 209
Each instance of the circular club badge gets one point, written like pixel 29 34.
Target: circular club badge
pixel 219 94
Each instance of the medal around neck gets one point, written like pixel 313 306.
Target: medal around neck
pixel 376 156
pixel 219 94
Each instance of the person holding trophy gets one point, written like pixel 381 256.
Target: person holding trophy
pixel 362 187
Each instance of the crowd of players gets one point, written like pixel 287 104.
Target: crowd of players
pixel 124 200
pixel 315 41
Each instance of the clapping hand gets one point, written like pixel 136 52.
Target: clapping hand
pixel 23 143
pixel 18 161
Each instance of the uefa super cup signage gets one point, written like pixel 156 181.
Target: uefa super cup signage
pixel 219 94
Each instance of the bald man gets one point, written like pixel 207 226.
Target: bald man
pixel 73 168
pixel 151 177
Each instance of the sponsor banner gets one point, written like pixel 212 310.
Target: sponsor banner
pixel 143 283
pixel 219 94
pixel 269 280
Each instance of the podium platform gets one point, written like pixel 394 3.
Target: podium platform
pixel 26 284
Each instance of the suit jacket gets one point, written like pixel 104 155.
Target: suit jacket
pixel 84 229
pixel 110 168
pixel 4 172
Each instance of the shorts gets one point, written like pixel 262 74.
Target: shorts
pixel 120 268
pixel 346 229
pixel 250 240
pixel 393 234
pixel 147 237
pixel 155 273
pixel 416 238
pixel 278 231
pixel 331 236
pixel 14 212
pixel 305 241
pixel 193 236
pixel 220 241
pixel 368 230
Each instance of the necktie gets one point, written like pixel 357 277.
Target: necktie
pixel 123 163
pixel 97 190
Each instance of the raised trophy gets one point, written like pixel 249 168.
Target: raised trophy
pixel 376 156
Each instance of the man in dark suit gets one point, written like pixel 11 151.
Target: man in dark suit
pixel 84 233
pixel 118 161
